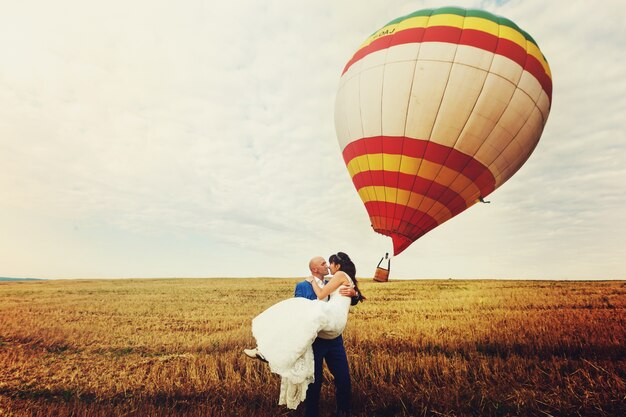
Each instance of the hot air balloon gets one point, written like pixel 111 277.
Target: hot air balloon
pixel 435 111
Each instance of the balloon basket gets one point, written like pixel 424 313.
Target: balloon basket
pixel 381 275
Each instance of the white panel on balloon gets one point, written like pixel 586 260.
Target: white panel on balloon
pixel 474 57
pixel 353 71
pixel 506 68
pixel 495 97
pixel 461 94
pixel 437 51
pixel 404 52
pixel 515 156
pixel 396 95
pixel 543 104
pixel 529 84
pixel 493 100
pixel 528 136
pixel 517 112
pixel 373 60
pixel 371 85
pixel 341 119
pixel 476 130
pixel 429 84
pixel 353 108
pixel 497 140
pixel 498 167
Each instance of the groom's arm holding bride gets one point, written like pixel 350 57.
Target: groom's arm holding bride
pixel 348 291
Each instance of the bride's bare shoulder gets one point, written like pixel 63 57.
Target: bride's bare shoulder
pixel 342 276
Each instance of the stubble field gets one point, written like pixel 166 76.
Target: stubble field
pixel 436 347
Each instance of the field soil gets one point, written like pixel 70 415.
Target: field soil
pixel 416 348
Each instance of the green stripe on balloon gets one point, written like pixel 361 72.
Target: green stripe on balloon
pixel 465 13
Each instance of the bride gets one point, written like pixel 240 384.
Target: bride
pixel 286 331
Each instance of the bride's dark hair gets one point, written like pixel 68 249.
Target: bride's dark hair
pixel 346 265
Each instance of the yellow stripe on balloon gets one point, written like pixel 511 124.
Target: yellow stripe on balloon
pixel 507 32
pixel 457 21
pixel 453 20
pixel 362 165
pixel 414 22
pixel 374 162
pixel 533 50
pixel 513 35
pixel 431 171
pixel 407 165
pixel 484 25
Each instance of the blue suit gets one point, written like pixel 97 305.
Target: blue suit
pixel 334 353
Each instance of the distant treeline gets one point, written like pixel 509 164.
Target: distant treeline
pixel 20 279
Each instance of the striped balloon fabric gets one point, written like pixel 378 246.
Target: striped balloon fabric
pixel 435 111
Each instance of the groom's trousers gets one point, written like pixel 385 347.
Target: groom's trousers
pixel 333 352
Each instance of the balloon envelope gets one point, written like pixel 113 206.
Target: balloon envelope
pixel 435 111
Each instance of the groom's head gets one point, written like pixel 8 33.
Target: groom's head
pixel 318 267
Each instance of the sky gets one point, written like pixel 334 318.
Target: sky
pixel 196 139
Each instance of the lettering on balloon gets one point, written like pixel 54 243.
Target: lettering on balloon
pixel 384 32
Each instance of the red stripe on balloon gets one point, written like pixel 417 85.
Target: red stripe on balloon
pixel 354 149
pixel 534 67
pixel 469 37
pixel 401 232
pixel 413 35
pixel 423 149
pixel 401 225
pixel 513 51
pixel 444 195
pixel 531 64
pixel 447 34
pixel 377 45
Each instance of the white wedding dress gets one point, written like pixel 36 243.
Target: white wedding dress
pixel 285 333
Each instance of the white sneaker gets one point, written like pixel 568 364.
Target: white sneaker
pixel 254 354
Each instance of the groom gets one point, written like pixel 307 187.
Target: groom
pixel 331 350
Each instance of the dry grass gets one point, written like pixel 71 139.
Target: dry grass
pixel 173 347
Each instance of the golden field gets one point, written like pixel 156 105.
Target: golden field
pixel 428 347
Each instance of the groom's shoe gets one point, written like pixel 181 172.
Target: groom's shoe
pixel 254 354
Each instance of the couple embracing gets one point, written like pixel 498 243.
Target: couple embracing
pixel 296 335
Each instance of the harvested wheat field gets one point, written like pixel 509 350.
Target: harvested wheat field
pixel 426 347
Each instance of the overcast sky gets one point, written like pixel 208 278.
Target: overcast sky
pixel 196 139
